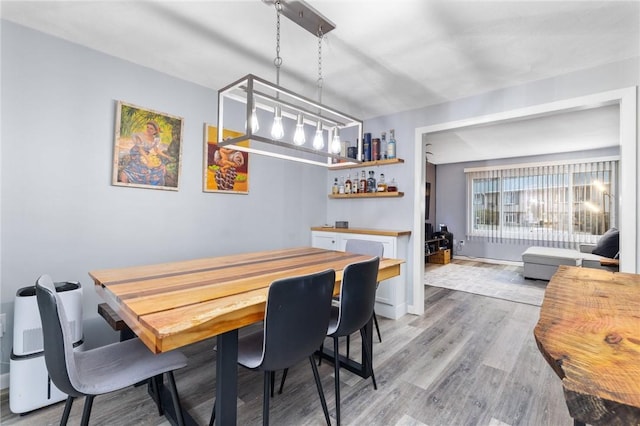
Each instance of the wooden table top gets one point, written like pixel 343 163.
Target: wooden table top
pixel 174 304
pixel 366 231
pixel 589 333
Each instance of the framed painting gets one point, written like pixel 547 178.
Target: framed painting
pixel 225 169
pixel 147 148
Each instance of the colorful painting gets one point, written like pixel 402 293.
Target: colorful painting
pixel 225 169
pixel 147 150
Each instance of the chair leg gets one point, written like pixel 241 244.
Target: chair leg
pixel 375 321
pixel 174 398
pixel 284 377
pixel 336 368
pixel 86 412
pixel 323 401
pixel 273 380
pixel 213 414
pixel 67 411
pixel 363 334
pixel 265 398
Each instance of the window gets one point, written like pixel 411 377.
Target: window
pixel 569 203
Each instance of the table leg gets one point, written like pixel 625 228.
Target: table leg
pixel 227 378
pixel 362 369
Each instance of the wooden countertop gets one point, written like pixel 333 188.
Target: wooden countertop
pixel 383 232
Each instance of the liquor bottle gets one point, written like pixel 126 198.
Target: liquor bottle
pixel 347 185
pixel 363 183
pixel 383 146
pixel 382 186
pixel 393 186
pixel 391 146
pixel 341 185
pixel 366 147
pixel 375 149
pixel 371 182
pixel 334 188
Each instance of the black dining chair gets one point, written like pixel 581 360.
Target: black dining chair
pixel 101 370
pixel 367 248
pixel 352 313
pixel 296 321
pixel 355 310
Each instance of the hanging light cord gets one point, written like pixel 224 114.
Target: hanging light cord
pixel 278 60
pixel 320 81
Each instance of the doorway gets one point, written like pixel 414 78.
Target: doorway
pixel 625 98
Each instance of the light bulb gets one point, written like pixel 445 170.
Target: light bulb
pixel 318 140
pixel 336 146
pixel 298 136
pixel 255 126
pixel 277 131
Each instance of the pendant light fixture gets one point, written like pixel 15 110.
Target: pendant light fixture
pixel 290 110
pixel 299 137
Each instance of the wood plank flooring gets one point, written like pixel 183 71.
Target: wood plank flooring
pixel 468 360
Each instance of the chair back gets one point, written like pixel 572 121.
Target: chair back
pixel 365 247
pixel 57 337
pixel 357 296
pixel 296 318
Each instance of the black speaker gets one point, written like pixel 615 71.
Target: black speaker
pixel 428 231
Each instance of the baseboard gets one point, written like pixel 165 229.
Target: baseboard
pixel 487 260
pixel 4 381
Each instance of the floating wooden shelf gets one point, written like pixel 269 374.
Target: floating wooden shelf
pixel 366 164
pixel 369 195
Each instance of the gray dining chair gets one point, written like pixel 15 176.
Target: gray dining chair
pixel 101 370
pixel 296 321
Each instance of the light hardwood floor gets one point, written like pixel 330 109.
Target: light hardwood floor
pixel 468 360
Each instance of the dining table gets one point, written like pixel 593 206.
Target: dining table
pixel 589 333
pixel 174 304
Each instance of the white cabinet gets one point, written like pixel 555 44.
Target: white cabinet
pixel 325 240
pixel 391 295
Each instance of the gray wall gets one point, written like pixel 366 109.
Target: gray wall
pixel 59 212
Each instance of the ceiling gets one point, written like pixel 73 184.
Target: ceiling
pixel 383 57
pixel 579 130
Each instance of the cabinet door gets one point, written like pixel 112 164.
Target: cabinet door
pixel 324 240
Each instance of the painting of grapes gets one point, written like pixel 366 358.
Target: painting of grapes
pixel 226 169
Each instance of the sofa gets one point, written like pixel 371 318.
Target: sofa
pixel 542 262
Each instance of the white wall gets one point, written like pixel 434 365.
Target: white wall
pixel 59 212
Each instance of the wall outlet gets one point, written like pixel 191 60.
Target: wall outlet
pixel 3 324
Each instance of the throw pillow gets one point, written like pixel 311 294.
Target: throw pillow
pixel 609 244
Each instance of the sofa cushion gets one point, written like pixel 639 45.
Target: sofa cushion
pixel 609 244
pixel 552 256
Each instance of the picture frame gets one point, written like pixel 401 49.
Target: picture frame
pixel 147 151
pixel 226 170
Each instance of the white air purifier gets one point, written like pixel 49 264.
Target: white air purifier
pixel 29 384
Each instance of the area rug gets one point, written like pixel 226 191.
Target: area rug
pixel 498 281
